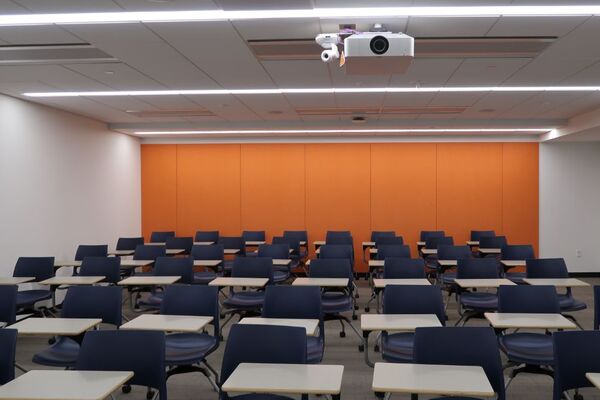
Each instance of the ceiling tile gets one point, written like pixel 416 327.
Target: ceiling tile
pixel 538 26
pixel 444 27
pixel 54 75
pixel 37 34
pixel 178 5
pixel 60 6
pixel 427 72
pixel 298 73
pixel 486 71
pixel 278 29
pixel 226 106
pixel 117 76
pixel 265 4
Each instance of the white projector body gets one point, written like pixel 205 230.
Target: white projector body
pixel 373 53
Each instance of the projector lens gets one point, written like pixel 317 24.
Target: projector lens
pixel 379 45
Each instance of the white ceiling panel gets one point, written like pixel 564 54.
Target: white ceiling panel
pixel 53 75
pixel 311 100
pixel 484 71
pixel 407 99
pixel 8 7
pixel 298 73
pixel 117 76
pixel 226 106
pixel 494 104
pixel 361 3
pixel 364 24
pixel 270 107
pixel 587 76
pixel 265 4
pixel 46 34
pixel 547 72
pixel 466 99
pixel 465 26
pixel 359 100
pixel 145 51
pixel 424 3
pixel 124 103
pixel 541 103
pixel 89 108
pixel 278 29
pixel 60 6
pixel 224 56
pixel 180 5
pixel 578 106
pixel 341 79
pixel 427 72
pixel 540 26
pixel 169 102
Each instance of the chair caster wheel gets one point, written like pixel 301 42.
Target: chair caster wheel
pixel 578 396
pixel 126 388
pixel 356 307
pixel 361 347
pixel 354 317
pixel 51 340
pixel 150 394
pixel 357 295
pixel 222 316
pixel 342 334
pixel 379 395
pixel 367 309
pixel 376 348
pixel 221 338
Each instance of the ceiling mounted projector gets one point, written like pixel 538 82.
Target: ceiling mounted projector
pixel 374 53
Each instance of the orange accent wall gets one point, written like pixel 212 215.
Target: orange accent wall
pixel 406 187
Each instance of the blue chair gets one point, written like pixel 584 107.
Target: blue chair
pixel 212 252
pixel 142 352
pixel 235 243
pixel 8 305
pixel 129 243
pixel 294 254
pixel 596 307
pixel 477 235
pixel 556 268
pixel 433 243
pixel 187 352
pixel 455 346
pixel 516 252
pixel 262 344
pixel 109 267
pixel 103 302
pixel 253 236
pixel 168 266
pixel 93 250
pixel 161 237
pixel 149 252
pixel 336 301
pixel 338 237
pixel 472 303
pixel 207 236
pixel 376 235
pixel 8 344
pixel 534 350
pixel 248 302
pixel 424 235
pixel 300 236
pixel 403 268
pixel 492 242
pixel 400 299
pixel 288 301
pixel 183 243
pixel 393 250
pixel 449 252
pixel 40 268
pixel 575 354
pixel 336 251
pixel 389 240
pixel 277 251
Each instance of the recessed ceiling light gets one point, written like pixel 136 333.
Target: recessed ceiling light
pixel 342 131
pixel 322 13
pixel 348 90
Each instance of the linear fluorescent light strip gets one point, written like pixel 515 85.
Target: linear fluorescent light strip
pixel 318 91
pixel 322 13
pixel 325 131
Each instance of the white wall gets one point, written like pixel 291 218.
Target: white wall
pixel 570 203
pixel 64 180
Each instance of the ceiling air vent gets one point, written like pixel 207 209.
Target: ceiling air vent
pixel 430 110
pixel 446 47
pixel 52 54
pixel 178 113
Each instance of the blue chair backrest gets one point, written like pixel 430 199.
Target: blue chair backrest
pixel 281 251
pixel 596 307
pixel 492 242
pixel 210 252
pixel 175 266
pixel 449 252
pixel 338 237
pixel 129 243
pixel 477 235
pixel 207 236
pixel 8 304
pixel 262 344
pixel 336 251
pixel 429 234
pixel 575 354
pixel 478 268
pixel 528 299
pixel 142 352
pixel 330 268
pixel 477 346
pixel 161 237
pixel 109 267
pixel 301 236
pixel 547 268
pixel 233 242
pixel 252 267
pixel 293 244
pixel 434 242
pixel 149 252
pixel 40 268
pixel 517 252
pixel 104 302
pixel 389 240
pixel 201 300
pixel 414 299
pixel 8 344
pixel 403 268
pixel 287 301
pixel 376 235
pixel 93 250
pixel 393 250
pixel 253 235
pixel 184 243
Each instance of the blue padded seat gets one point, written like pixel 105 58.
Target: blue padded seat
pixel 568 303
pixel 479 300
pixel 63 352
pixel 204 277
pixel 314 349
pixel 188 348
pixel 523 347
pixel 241 300
pixel 29 297
pixel 398 347
pixel 262 396
pixel 336 302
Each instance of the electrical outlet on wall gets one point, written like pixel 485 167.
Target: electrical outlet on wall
pixel 578 253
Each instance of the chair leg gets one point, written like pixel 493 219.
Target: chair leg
pixel 572 318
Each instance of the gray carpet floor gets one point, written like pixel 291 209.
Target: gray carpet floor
pixel 344 351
